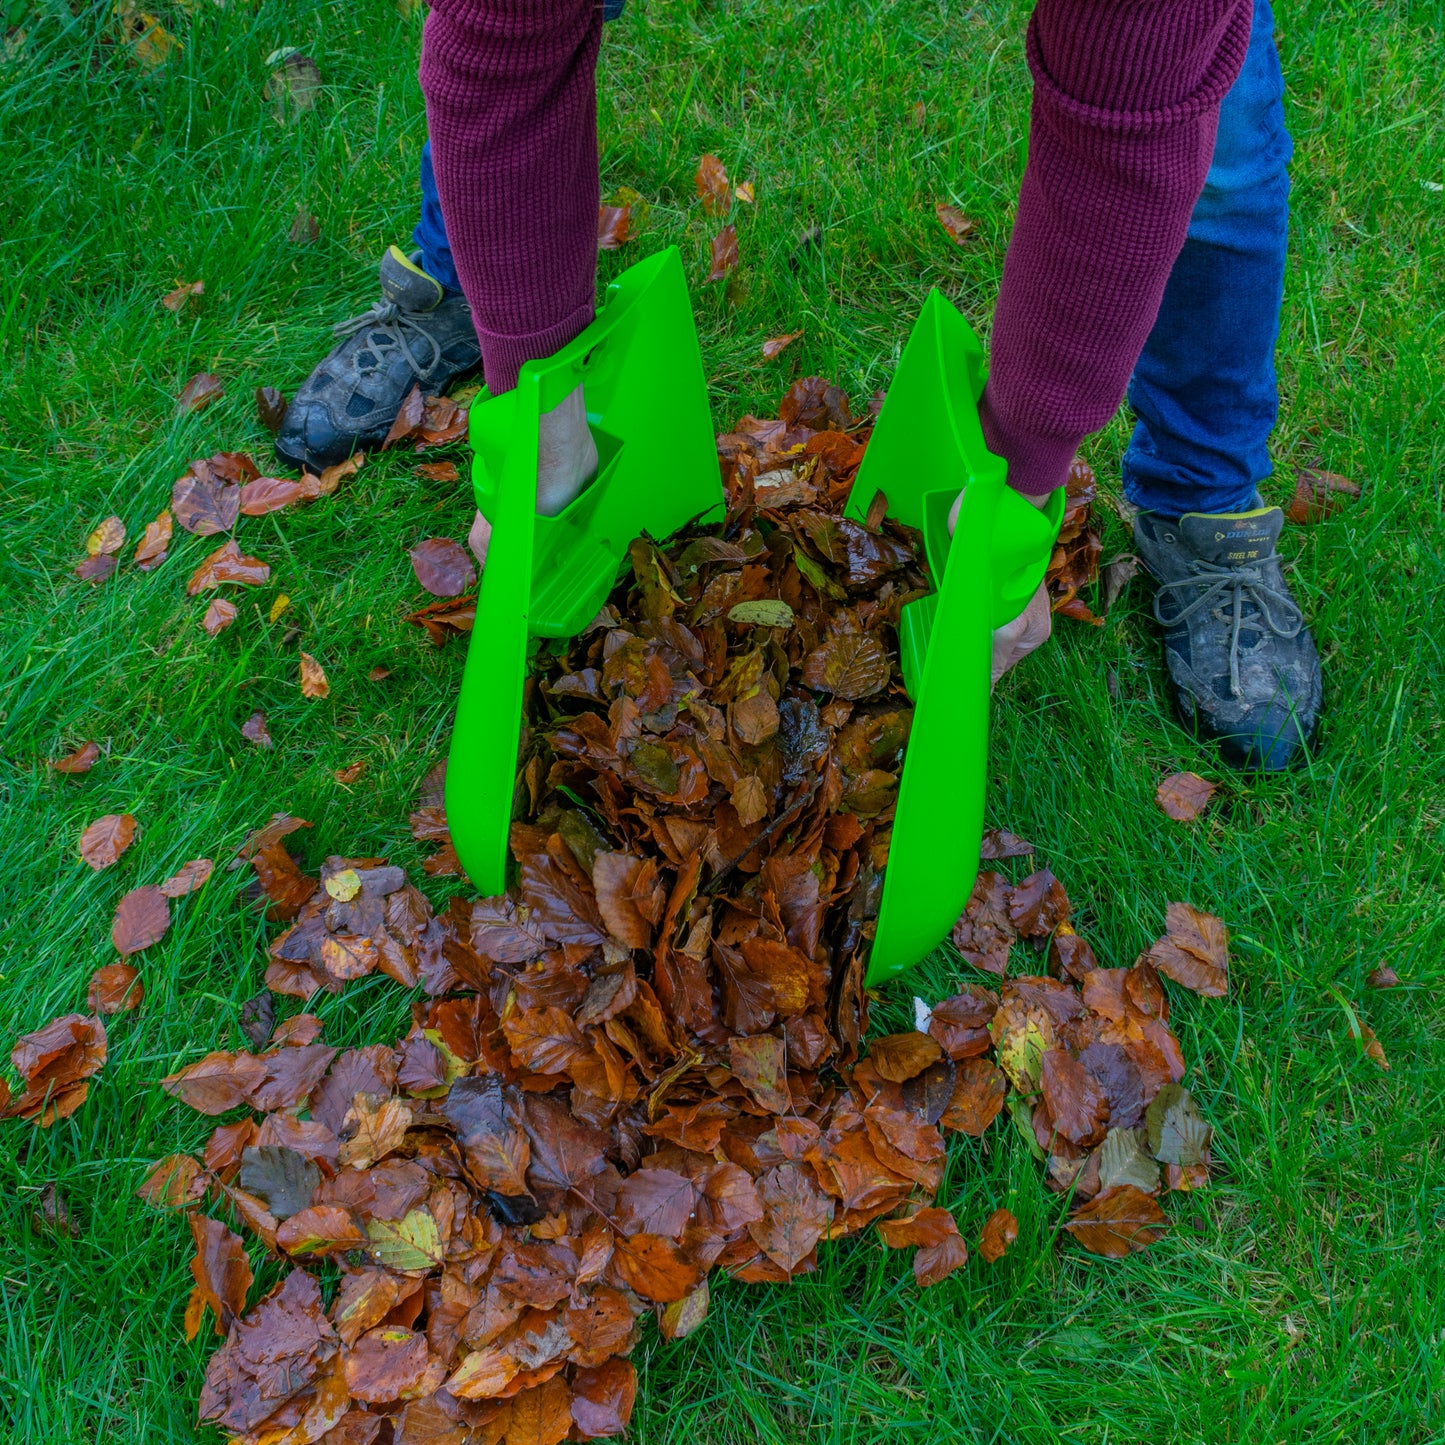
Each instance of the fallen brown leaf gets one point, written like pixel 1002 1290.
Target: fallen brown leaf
pixel 141 919
pixel 82 760
pixel 776 345
pixel 442 566
pixel 313 678
pixel 1118 1222
pixel 115 988
pixel 109 536
pixel 219 616
pixel 199 392
pixel 191 876
pixel 1184 796
pixel 1318 495
pixel 724 253
pixel 612 227
pixel 1194 950
pixel 227 564
pixel 270 408
pixel 186 291
pixel 959 227
pixel 254 730
pixel 712 186
pixel 96 569
pixel 1000 1230
pixel 150 551
pixel 102 843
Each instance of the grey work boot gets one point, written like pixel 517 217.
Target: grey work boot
pixel 1242 663
pixel 417 332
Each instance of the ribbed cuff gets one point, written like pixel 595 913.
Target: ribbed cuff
pixel 1037 465
pixel 504 356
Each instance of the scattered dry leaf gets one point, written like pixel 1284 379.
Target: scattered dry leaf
pixel 102 843
pixel 1318 495
pixel 115 988
pixel 1184 796
pixel 199 392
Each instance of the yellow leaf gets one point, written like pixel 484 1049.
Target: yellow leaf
pixel 281 603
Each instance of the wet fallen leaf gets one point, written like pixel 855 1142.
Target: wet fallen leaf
pixel 1184 796
pixel 254 730
pixel 220 614
pixel 350 773
pixel 1114 576
pixel 270 408
pixel 52 1214
pixel 1318 495
pixel 852 665
pixel 186 291
pixel 141 919
pixel 176 1182
pixel 1383 977
pixel 82 760
pixel 1000 1230
pixel 612 227
pixel 724 253
pixel 712 186
pixel 109 536
pixel 150 551
pixel 436 472
pixel 96 569
pixel 115 988
pixel 998 843
pixel 279 603
pixel 102 843
pixel 941 1249
pixel 959 227
pixel 199 392
pixel 1118 1222
pixel 305 229
pixel 190 877
pixel 775 345
pixel 262 495
pixel 313 678
pixel 1194 950
pixel 222 1275
pixel 443 567
pixel 227 564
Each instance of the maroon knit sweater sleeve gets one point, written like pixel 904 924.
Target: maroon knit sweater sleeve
pixel 511 107
pixel 1126 103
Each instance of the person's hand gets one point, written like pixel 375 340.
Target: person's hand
pixel 1030 629
pixel 1025 634
pixel 566 458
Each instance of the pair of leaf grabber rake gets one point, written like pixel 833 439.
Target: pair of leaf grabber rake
pixel 647 406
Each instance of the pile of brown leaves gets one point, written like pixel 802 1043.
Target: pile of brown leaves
pixel 645 1061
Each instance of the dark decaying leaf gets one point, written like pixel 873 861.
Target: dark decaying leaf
pixel 776 345
pixel 227 564
pixel 254 730
pixel 1000 843
pixel 270 408
pixel 200 391
pixel 443 567
pixel 724 253
pixel 613 224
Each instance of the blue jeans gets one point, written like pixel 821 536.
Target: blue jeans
pixel 1203 391
pixel 430 235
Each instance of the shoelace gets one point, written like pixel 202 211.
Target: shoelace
pixel 397 326
pixel 1236 582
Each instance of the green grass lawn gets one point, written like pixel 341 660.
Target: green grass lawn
pixel 1300 1298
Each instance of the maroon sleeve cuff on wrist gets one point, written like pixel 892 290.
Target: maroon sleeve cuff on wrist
pixel 1037 465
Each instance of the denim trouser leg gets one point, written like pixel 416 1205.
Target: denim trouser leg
pixel 1203 390
pixel 430 236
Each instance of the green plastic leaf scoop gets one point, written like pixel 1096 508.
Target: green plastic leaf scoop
pixel 647 405
pixel 928 446
pixel 646 398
